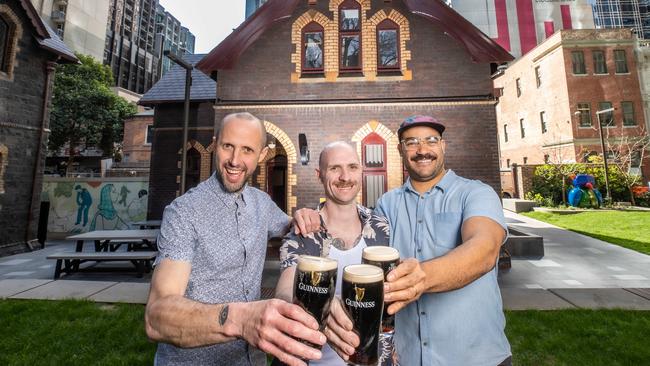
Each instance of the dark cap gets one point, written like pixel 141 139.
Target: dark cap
pixel 420 121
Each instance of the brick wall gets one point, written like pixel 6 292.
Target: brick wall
pixel 134 146
pixel 165 168
pixel 21 103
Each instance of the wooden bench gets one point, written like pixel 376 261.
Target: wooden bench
pixel 69 262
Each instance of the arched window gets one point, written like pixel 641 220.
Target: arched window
pixel 193 169
pixel 388 46
pixel 350 36
pixel 373 151
pixel 313 55
pixel 4 44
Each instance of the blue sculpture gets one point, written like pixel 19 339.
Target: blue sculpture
pixel 583 194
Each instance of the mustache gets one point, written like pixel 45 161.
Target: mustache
pixel 345 184
pixel 229 164
pixel 427 156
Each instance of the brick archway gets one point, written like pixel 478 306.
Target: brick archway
pixel 394 162
pixel 206 160
pixel 292 159
pixel 15 33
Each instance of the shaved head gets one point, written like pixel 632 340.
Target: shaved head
pixel 322 159
pixel 245 116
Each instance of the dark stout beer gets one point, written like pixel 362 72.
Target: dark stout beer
pixel 387 259
pixel 314 286
pixel 363 297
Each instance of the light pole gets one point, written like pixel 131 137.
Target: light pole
pixel 188 85
pixel 608 197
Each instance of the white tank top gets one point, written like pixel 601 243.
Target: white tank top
pixel 345 258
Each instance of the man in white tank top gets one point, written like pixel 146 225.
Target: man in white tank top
pixel 347 228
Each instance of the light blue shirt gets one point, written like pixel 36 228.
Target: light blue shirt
pixel 464 327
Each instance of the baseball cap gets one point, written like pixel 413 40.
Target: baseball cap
pixel 420 121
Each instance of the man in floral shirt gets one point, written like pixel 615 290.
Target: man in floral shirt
pixel 347 228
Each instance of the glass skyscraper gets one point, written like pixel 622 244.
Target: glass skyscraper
pixel 633 14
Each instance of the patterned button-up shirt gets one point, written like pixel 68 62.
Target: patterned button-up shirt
pixel 375 231
pixel 224 237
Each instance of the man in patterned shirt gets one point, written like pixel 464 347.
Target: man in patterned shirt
pixel 347 228
pixel 204 306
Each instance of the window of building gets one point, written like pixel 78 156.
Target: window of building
pixel 518 84
pixel 373 149
pixel 547 159
pixel 578 61
pixel 538 77
pixel 600 65
pixel 606 119
pixel 505 132
pixel 350 36
pixel 508 163
pixel 388 57
pixel 525 160
pixel 542 121
pixel 522 128
pixel 193 169
pixel 628 114
pixel 584 114
pixel 620 59
pixel 635 159
pixel 4 45
pixel 313 55
pixel 149 137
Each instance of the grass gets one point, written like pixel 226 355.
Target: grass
pixel 579 337
pixel 72 333
pixel 85 333
pixel 627 229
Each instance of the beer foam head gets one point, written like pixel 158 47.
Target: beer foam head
pixel 308 263
pixel 363 273
pixel 380 254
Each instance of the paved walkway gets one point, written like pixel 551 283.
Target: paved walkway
pixel 576 272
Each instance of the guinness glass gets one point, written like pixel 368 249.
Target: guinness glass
pixel 387 259
pixel 314 285
pixel 363 297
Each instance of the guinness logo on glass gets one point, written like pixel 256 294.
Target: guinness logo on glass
pixel 359 293
pixel 316 277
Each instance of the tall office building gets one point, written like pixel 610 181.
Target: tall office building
pixel 137 33
pixel 252 5
pixel 79 23
pixel 520 25
pixel 172 36
pixel 633 14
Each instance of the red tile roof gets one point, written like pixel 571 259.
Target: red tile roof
pixel 481 47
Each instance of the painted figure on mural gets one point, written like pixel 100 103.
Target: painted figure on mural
pixel 84 201
pixel 124 192
pixel 106 210
pixel 137 208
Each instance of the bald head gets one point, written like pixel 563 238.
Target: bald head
pixel 336 145
pixel 244 116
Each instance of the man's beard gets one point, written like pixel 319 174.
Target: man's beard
pixel 438 167
pixel 231 187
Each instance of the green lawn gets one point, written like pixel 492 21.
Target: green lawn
pixel 85 333
pixel 627 229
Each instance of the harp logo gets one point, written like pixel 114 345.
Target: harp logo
pixel 316 277
pixel 359 293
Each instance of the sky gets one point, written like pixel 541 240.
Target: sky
pixel 209 20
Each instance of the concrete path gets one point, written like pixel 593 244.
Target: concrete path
pixel 576 272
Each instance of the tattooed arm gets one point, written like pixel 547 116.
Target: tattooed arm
pixel 272 325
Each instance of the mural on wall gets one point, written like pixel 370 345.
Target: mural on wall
pixel 78 206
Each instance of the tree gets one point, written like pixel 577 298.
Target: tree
pixel 627 153
pixel 85 112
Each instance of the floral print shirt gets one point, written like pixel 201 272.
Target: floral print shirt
pixel 375 230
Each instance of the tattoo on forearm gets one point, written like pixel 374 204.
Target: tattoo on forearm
pixel 223 315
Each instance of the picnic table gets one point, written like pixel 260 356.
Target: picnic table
pixel 111 240
pixel 105 250
pixel 147 224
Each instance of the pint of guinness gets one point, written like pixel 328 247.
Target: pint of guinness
pixel 387 259
pixel 314 286
pixel 363 298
